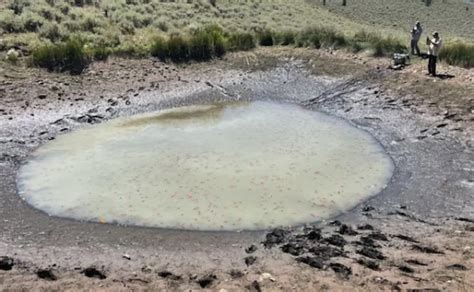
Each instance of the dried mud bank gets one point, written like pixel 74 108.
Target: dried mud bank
pixel 416 234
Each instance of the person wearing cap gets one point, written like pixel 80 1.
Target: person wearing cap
pixel 434 46
pixel 416 32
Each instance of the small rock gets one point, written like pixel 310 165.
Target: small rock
pixel 369 264
pixel 378 236
pixel 42 96
pixel 457 267
pixel 365 227
pixel 426 249
pixel 94 273
pixel 335 223
pixel 250 260
pixel 275 237
pixel 406 269
pixel 312 261
pixel 347 230
pixel 236 274
pixel 368 208
pixel 6 263
pixel 126 256
pixel 147 269
pixel 169 275
pixel 371 253
pixel 326 252
pixel 293 249
pixel 254 287
pixel 341 269
pixel 313 234
pixel 267 276
pixel 251 249
pixel 207 281
pixel 416 262
pixel 406 238
pixel 469 228
pixel 336 240
pixel 46 275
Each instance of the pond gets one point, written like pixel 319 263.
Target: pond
pixel 237 166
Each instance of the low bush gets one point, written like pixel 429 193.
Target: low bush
pixel 286 38
pixel 159 48
pixel 266 38
pixel 101 53
pixel 241 41
pixel 380 45
pixel 321 37
pixel 201 45
pixel 458 54
pixel 68 56
pixel 178 48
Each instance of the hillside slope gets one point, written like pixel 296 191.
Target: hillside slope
pixel 452 18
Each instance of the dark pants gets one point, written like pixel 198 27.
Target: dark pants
pixel 432 64
pixel 414 47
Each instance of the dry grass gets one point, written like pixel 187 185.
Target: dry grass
pixel 452 18
pixel 129 27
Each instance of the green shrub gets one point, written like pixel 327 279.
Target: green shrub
pixel 51 31
pixel 10 22
pixel 458 54
pixel 286 38
pixel 265 38
pixel 386 46
pixel 101 53
pixel 159 49
pixel 69 56
pixel 241 41
pixel 321 37
pixel 202 45
pixel 178 48
pixel 380 45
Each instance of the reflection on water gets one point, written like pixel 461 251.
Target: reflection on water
pixel 221 167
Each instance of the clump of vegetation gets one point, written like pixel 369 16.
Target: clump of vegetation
pixel 203 44
pixel 380 45
pixel 318 37
pixel 458 54
pixel 266 38
pixel 241 41
pixel 68 56
pixel 286 38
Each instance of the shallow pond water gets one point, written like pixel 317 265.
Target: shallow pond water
pixel 242 166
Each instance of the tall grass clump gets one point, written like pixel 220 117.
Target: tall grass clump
pixel 266 38
pixel 207 43
pixel 241 41
pixel 380 45
pixel 68 56
pixel 285 38
pixel 203 44
pixel 318 37
pixel 458 54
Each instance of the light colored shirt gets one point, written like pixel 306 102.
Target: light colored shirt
pixel 416 33
pixel 435 46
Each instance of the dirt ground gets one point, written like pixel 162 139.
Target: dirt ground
pixel 417 235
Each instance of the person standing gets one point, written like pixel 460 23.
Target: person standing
pixel 434 45
pixel 416 32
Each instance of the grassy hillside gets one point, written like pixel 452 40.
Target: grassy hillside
pixel 144 27
pixel 452 18
pixel 127 22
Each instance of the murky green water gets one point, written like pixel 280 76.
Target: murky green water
pixel 241 166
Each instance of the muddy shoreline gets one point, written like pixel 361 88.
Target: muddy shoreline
pixel 432 184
